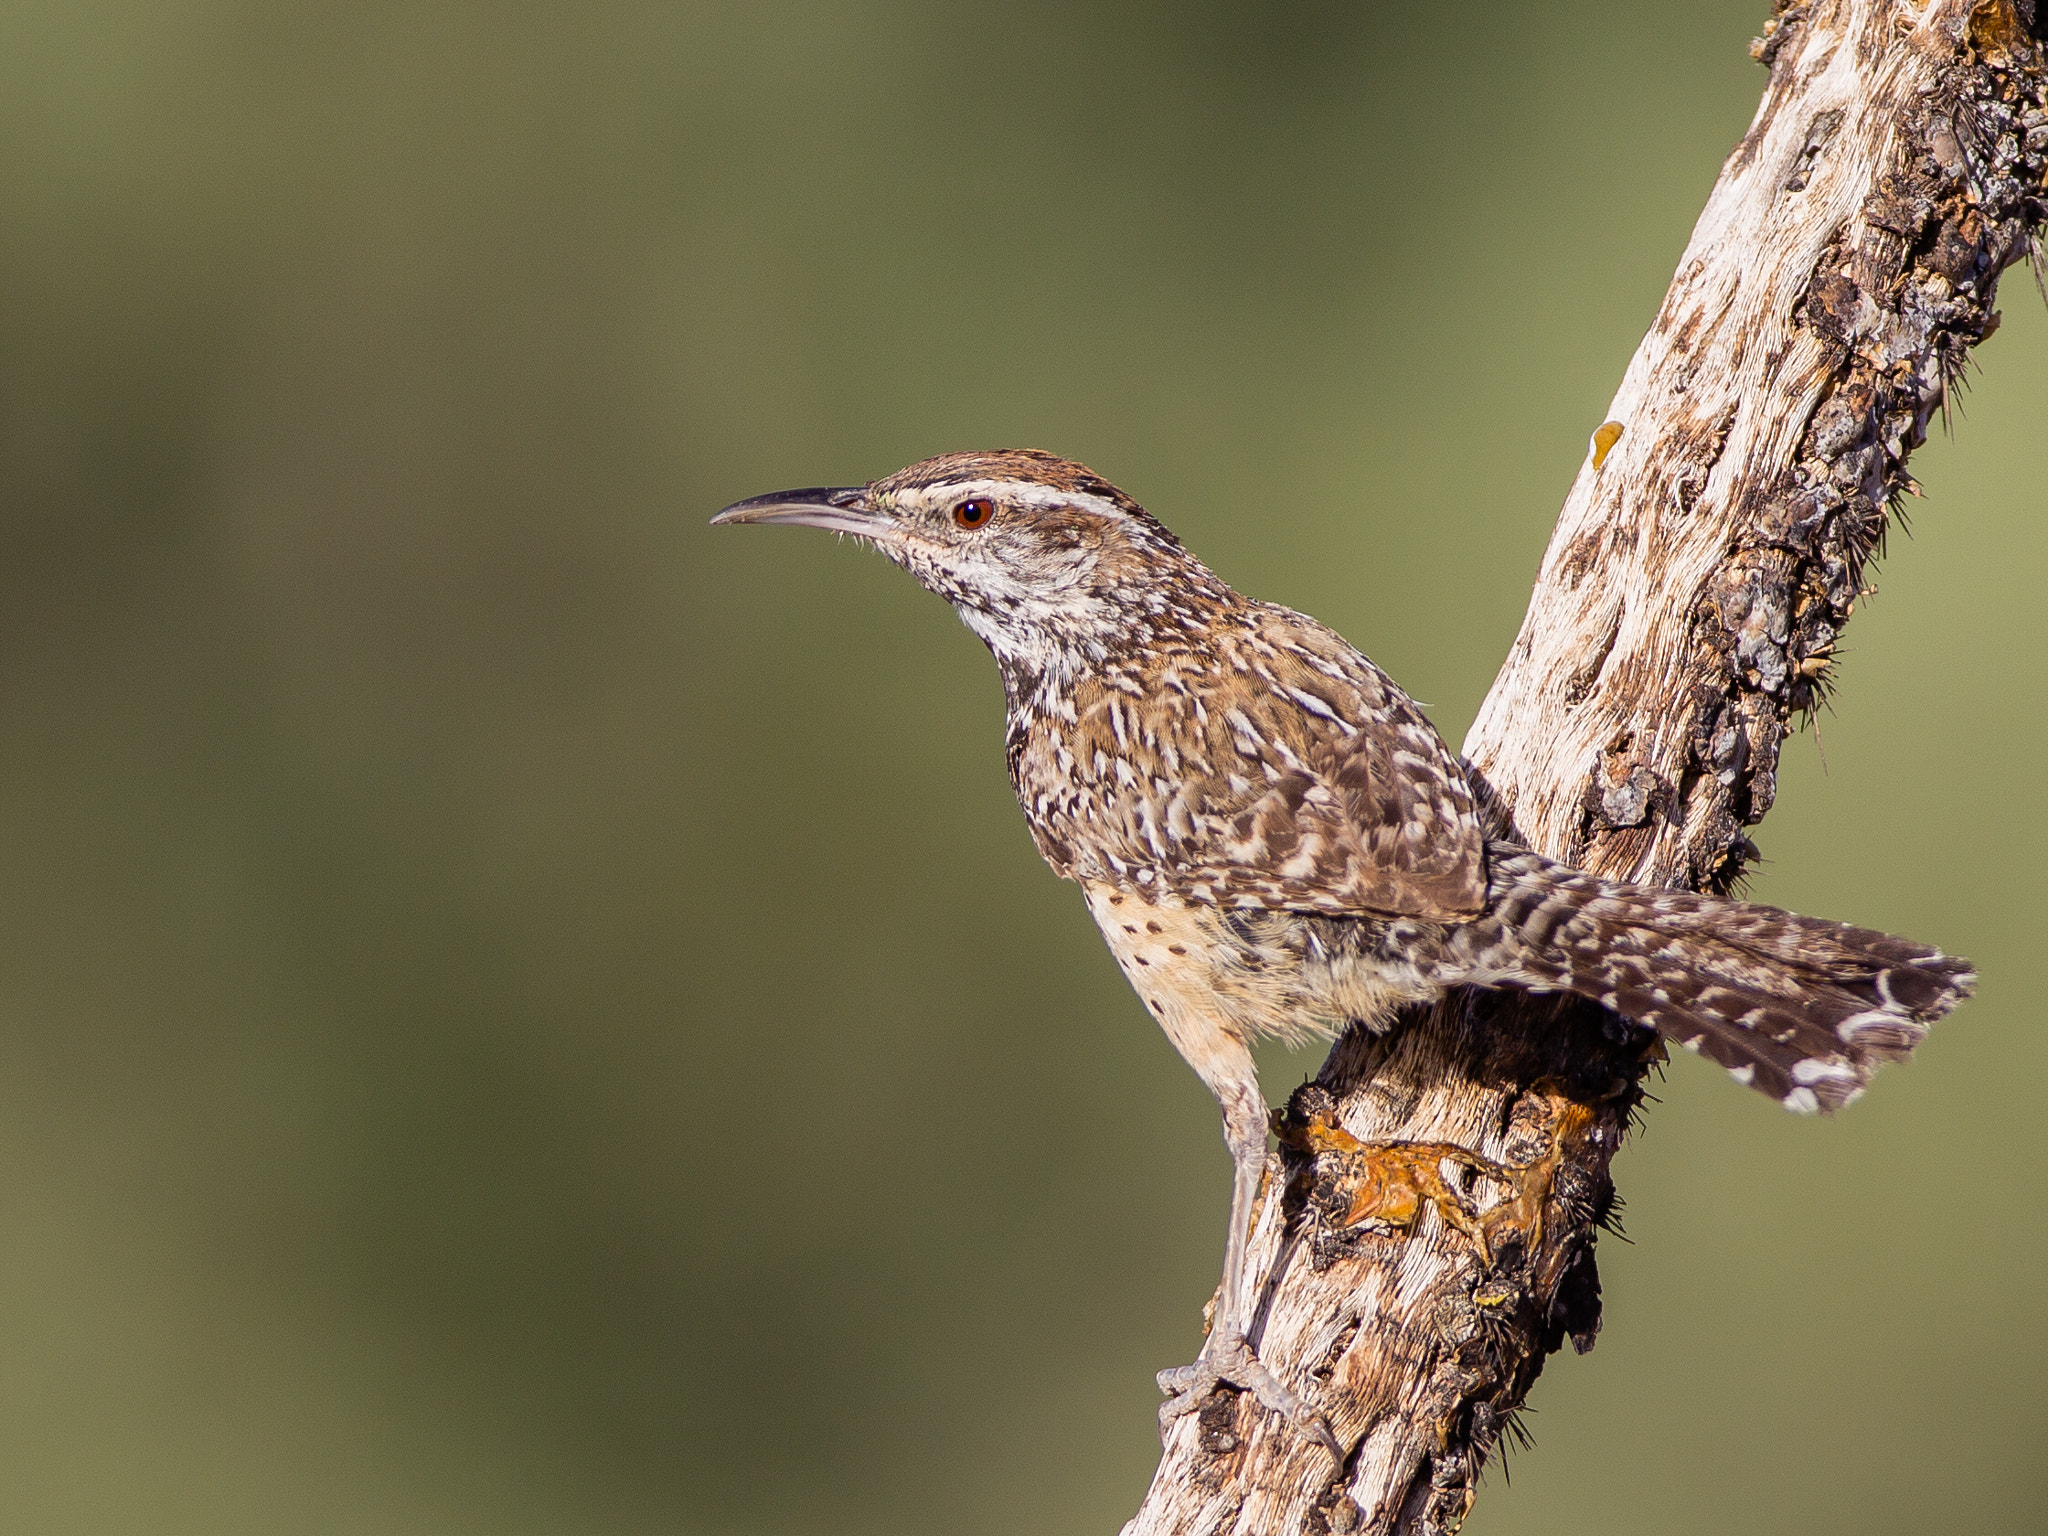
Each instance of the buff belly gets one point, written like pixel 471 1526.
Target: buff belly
pixel 1215 980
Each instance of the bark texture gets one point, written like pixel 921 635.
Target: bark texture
pixel 1427 1233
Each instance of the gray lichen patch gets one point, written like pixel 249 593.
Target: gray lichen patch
pixel 1898 299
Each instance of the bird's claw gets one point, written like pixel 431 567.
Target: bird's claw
pixel 1227 1360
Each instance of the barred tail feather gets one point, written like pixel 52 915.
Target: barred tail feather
pixel 1799 1008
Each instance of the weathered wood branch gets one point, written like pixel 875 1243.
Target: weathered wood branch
pixel 1429 1227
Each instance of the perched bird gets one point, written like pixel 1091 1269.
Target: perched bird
pixel 1275 841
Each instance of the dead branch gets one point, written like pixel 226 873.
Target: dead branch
pixel 1428 1231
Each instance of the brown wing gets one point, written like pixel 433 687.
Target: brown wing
pixel 1280 769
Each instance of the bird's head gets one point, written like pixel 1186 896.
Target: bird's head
pixel 1042 557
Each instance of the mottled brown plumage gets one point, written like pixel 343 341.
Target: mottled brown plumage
pixel 1274 839
pixel 1249 758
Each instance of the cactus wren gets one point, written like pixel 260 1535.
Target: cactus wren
pixel 1275 841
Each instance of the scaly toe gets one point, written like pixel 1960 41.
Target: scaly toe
pixel 1226 1361
pixel 1177 1379
pixel 1186 1387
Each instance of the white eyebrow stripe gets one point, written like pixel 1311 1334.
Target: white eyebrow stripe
pixel 1021 493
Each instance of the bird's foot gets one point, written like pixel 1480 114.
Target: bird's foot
pixel 1227 1360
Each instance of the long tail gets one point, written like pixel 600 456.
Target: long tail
pixel 1799 1008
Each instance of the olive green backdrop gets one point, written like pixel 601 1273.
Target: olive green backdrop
pixel 520 1013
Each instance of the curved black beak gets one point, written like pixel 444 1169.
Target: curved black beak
pixel 841 508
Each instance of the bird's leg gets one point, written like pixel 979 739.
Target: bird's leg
pixel 1227 1357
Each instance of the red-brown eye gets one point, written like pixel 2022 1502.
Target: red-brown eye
pixel 974 514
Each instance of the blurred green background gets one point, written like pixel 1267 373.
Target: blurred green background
pixel 520 1013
